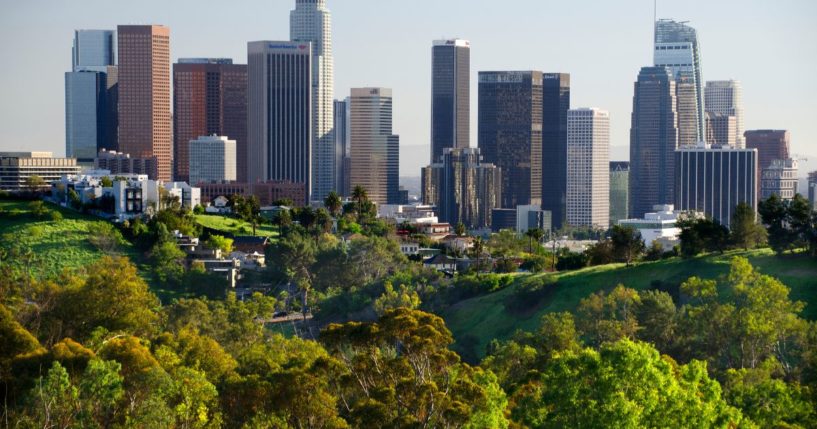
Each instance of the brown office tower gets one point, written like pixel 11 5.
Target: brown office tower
pixel 144 94
pixel 770 145
pixel 209 98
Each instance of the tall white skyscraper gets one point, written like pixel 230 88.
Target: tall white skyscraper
pixel 588 167
pixel 725 97
pixel 311 22
pixel 678 49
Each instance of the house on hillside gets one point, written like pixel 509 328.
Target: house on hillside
pixel 251 244
pixel 442 263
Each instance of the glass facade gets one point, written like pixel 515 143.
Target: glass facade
pixel 510 132
pixel 653 140
pixel 450 96
pixel 555 104
pixel 375 151
pixel 619 191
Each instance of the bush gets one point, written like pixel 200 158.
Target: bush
pixel 506 265
pixel 572 261
pixel 530 295
pixel 55 215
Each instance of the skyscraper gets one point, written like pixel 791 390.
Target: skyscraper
pixel 619 191
pixel 725 97
pixel 209 97
pixel 510 132
pixel 653 140
pixel 555 104
pixel 463 188
pixel 450 96
pixel 375 151
pixel 677 48
pixel 715 180
pixel 279 120
pixel 588 168
pixel 341 134
pixel 310 21
pixel 687 109
pixel 90 95
pixel 144 95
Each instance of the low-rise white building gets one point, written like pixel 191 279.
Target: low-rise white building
pixel 660 225
pixel 414 213
pixel 189 196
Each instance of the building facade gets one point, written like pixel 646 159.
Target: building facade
pixel 17 168
pixel 145 121
pixel 510 132
pixel 342 148
pixel 619 191
pixel 555 104
pixel 812 189
pixel 122 164
pixel 209 97
pixel 311 22
pixel 279 121
pixel 375 150
pixel 677 48
pixel 770 145
pixel 212 159
pixel 450 96
pixel 725 97
pixel 720 129
pixel 714 181
pixel 588 168
pixel 91 95
pixel 653 140
pixel 266 192
pixel 462 187
pixel 779 178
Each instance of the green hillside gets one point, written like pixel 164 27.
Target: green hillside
pixel 233 226
pixel 475 322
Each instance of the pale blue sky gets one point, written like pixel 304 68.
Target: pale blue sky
pixel 771 46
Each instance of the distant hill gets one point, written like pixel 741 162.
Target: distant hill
pixel 475 322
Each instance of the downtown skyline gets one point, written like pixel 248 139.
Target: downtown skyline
pixel 366 55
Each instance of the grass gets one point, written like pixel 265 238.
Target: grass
pixel 233 226
pixel 51 247
pixel 475 322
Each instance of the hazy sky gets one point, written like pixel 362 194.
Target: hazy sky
pixel 770 46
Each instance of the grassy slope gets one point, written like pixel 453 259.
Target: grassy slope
pixel 485 317
pixel 233 226
pixel 60 245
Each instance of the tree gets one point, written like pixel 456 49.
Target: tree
pixel 801 223
pixel 601 253
pixel 360 196
pixel 702 235
pixel 627 243
pixel 609 317
pixel 247 209
pixel 773 213
pixel 168 263
pixel 297 255
pixel 534 234
pixel 460 230
pixel 745 231
pixel 220 242
pixel 655 251
pixel 106 182
pixel 391 299
pixel 333 203
pixel 625 384
pixel 399 372
pixel 105 237
pixel 34 182
pixel 656 316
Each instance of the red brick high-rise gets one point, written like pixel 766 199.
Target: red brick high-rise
pixel 770 145
pixel 209 97
pixel 144 94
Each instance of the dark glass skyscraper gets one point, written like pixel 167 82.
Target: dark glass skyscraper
pixel 279 120
pixel 342 153
pixel 653 140
pixel 510 132
pixel 209 97
pixel 450 96
pixel 555 104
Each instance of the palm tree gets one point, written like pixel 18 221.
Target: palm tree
pixel 360 196
pixel 534 233
pixel 333 203
pixel 479 247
